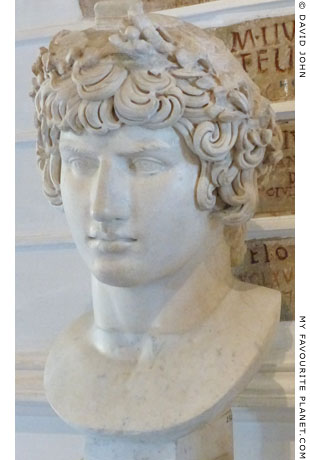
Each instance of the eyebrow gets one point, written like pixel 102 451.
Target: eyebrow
pixel 140 147
pixel 80 151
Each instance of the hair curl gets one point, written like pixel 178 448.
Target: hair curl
pixel 156 72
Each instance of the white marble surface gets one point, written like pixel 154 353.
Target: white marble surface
pixel 263 407
pixel 176 386
pixel 211 442
pixel 153 144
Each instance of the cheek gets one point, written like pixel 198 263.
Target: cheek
pixel 176 192
pixel 167 203
pixel 75 200
pixel 176 184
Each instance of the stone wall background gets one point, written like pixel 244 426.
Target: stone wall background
pixel 277 192
pixel 266 50
pixel 271 263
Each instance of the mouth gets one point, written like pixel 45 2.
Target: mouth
pixel 111 242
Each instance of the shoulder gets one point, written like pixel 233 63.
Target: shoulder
pixel 254 296
pixel 253 308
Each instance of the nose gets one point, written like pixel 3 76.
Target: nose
pixel 110 199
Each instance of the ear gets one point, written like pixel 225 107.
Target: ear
pixel 206 198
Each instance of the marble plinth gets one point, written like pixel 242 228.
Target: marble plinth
pixel 211 442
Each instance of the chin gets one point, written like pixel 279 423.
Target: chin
pixel 119 274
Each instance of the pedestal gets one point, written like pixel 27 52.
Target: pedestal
pixel 211 442
pixel 263 414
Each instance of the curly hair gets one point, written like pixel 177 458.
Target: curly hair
pixel 155 72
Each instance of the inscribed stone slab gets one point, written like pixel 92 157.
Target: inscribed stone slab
pixel 277 194
pixel 265 48
pixel 271 263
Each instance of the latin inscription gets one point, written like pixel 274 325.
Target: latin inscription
pixel 265 49
pixel 277 192
pixel 270 263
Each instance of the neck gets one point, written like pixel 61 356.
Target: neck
pixel 171 305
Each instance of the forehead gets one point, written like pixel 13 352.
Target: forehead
pixel 124 140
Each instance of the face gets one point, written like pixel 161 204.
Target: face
pixel 129 198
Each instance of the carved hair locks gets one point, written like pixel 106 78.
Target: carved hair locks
pixel 155 72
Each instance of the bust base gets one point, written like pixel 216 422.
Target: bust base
pixel 211 442
pixel 184 382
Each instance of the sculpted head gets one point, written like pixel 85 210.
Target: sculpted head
pixel 146 134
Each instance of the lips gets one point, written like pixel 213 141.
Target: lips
pixel 111 237
pixel 110 242
pixel 115 238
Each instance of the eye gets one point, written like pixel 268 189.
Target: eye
pixel 83 165
pixel 147 166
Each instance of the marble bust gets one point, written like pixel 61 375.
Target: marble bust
pixel 153 139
